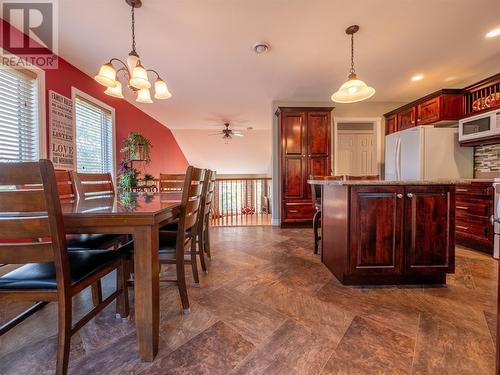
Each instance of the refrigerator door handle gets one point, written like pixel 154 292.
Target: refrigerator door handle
pixel 398 159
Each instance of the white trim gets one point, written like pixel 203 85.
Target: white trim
pixel 76 92
pixel 377 125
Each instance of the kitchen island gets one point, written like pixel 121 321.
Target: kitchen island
pixel 388 232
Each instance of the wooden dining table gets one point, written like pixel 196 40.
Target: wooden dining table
pixel 140 215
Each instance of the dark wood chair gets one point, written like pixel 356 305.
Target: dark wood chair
pixel 210 192
pixel 173 244
pixel 316 203
pixel 171 182
pixel 32 235
pixel 93 184
pixel 363 177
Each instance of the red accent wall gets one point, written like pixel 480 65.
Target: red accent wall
pixel 166 155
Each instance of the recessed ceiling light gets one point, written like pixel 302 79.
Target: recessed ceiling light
pixel 417 77
pixel 493 33
pixel 261 47
pixel 250 128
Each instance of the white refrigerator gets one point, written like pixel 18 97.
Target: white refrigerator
pixel 427 153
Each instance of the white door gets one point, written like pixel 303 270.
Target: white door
pixel 357 154
pixel 411 154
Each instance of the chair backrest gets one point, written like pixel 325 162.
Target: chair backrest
pixel 65 186
pixel 93 184
pixel 365 177
pixel 31 222
pixel 171 182
pixel 191 198
pixel 206 198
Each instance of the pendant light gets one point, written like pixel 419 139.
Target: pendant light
pixel 135 74
pixel 353 90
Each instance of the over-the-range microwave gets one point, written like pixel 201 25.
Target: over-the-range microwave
pixel 480 126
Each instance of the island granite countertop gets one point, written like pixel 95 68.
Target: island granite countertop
pixel 336 182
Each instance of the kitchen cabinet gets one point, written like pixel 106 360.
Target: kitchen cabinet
pixel 391 124
pixel 443 106
pixel 406 118
pixel 305 135
pixel 377 233
pixel 474 207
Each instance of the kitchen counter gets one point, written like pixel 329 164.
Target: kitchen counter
pixel 327 181
pixel 388 232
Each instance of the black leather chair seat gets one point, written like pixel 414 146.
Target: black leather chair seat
pixel 43 276
pixel 91 241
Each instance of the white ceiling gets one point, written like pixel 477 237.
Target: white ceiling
pixel 203 49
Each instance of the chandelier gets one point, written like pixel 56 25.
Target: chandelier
pixel 354 89
pixel 133 71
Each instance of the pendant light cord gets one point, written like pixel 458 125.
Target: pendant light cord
pixel 133 28
pixel 352 54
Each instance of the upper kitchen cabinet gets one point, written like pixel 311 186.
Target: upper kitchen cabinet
pixel 305 143
pixel 439 107
pixel 482 96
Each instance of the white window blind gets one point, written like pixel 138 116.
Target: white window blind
pixel 19 126
pixel 94 137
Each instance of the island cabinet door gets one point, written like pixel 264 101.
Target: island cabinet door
pixel 376 230
pixel 430 228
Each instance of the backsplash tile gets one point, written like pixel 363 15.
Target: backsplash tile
pixel 487 158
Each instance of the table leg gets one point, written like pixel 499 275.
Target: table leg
pixel 147 290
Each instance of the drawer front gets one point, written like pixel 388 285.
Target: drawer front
pixel 484 189
pixel 299 211
pixel 476 207
pixel 480 229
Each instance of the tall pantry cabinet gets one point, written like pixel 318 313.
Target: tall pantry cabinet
pixel 305 149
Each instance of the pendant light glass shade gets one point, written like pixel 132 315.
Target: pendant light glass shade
pixel 144 96
pixel 161 90
pixel 106 75
pixel 352 91
pixel 115 91
pixel 139 78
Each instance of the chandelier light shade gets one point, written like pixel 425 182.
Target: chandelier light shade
pixel 115 91
pixel 161 90
pixel 353 90
pixel 135 74
pixel 106 75
pixel 144 96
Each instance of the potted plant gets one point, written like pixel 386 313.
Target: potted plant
pixel 128 175
pixel 149 179
pixel 137 147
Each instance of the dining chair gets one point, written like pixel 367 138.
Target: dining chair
pixel 171 182
pixel 363 177
pixel 173 244
pixel 211 180
pixel 32 235
pixel 316 203
pixel 89 185
pixel 66 188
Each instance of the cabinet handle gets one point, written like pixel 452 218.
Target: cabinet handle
pixel 409 195
pixel 462 190
pixel 399 195
pixel 461 227
pixel 463 208
pixel 293 211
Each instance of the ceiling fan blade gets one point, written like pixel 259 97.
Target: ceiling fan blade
pixel 237 134
pixel 215 134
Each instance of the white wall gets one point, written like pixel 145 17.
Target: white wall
pixel 248 155
pixel 357 110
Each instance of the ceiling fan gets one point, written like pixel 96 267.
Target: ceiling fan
pixel 228 133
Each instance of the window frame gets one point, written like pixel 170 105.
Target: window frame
pixel 42 109
pixel 75 93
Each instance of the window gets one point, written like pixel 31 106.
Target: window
pixel 20 138
pixel 94 137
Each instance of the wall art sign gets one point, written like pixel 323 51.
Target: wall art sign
pixel 61 131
